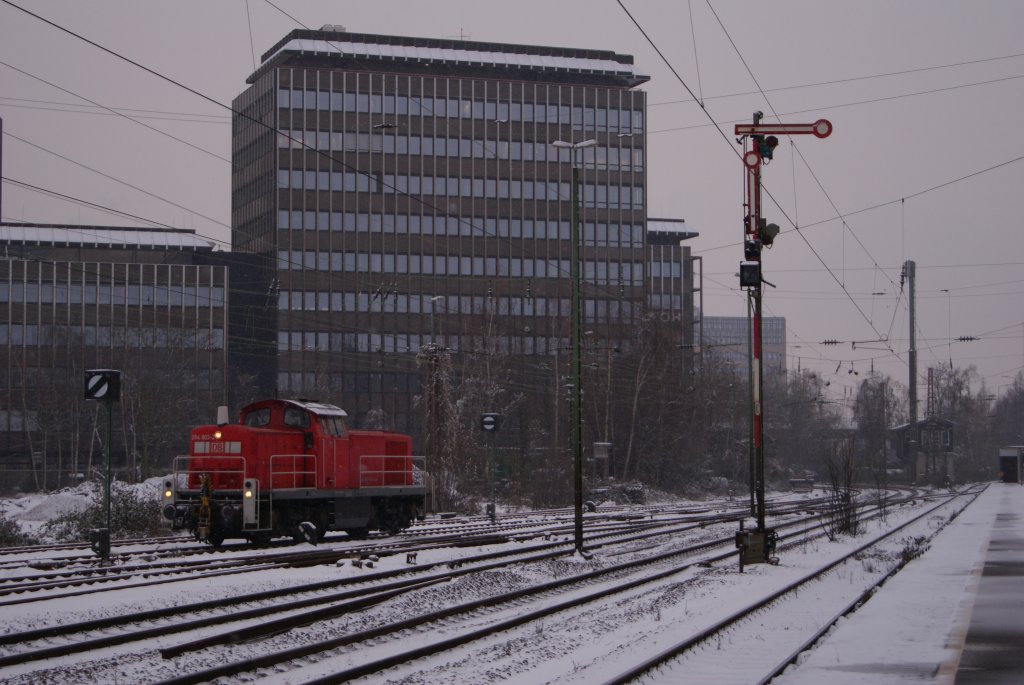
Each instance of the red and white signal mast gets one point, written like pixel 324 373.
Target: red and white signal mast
pixel 760 141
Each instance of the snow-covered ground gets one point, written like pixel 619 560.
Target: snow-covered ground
pixel 912 630
pixel 32 511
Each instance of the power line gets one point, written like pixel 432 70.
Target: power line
pixel 776 202
pixel 76 200
pixel 90 111
pixel 886 203
pixel 224 119
pixel 849 80
pixel 252 44
pixel 119 181
pixel 711 118
pixel 855 103
pixel 513 245
pixel 112 111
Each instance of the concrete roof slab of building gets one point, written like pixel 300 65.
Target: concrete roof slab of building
pixel 668 231
pixel 101 236
pixel 526 61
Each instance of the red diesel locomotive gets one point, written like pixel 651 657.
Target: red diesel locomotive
pixel 292 467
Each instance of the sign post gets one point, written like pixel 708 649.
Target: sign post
pixel 490 423
pixel 104 385
pixel 760 141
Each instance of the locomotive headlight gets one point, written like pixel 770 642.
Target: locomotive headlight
pixel 247 494
pixel 168 489
pixel 168 494
pixel 216 435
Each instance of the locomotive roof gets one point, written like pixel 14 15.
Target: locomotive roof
pixel 319 408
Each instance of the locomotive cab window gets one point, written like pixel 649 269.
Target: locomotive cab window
pixel 255 419
pixel 297 418
pixel 333 426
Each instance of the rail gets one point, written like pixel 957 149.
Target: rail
pixel 391 471
pixel 292 471
pixel 186 470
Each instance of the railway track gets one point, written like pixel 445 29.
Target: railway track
pixel 257 616
pixel 76 577
pixel 342 596
pixel 470 622
pixel 809 619
pixel 153 565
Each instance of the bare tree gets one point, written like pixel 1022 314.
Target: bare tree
pixel 441 425
pixel 843 516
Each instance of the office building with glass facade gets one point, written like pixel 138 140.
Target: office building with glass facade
pixel 151 303
pixel 403 191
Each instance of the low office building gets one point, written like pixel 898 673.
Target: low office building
pixel 151 303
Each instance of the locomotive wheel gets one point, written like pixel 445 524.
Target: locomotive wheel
pixel 394 521
pixel 357 533
pixel 216 538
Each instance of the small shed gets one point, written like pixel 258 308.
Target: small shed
pixel 933 436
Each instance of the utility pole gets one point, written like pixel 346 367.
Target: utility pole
pixel 577 344
pixel 758 545
pixel 909 274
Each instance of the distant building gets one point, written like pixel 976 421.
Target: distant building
pixel 671 279
pixel 727 338
pixel 406 190
pixel 150 302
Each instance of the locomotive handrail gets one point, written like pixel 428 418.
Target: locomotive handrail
pixel 391 471
pixel 295 475
pixel 182 470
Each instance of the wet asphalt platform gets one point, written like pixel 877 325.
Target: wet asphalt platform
pixel 994 648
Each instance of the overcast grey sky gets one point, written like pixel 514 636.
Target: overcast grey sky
pixel 921 93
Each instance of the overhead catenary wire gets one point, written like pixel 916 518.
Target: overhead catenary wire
pixel 851 79
pixel 252 43
pixel 815 252
pixel 696 58
pixel 120 114
pixel 710 117
pixel 80 201
pixel 839 215
pixel 120 182
pixel 90 110
pixel 879 205
pixel 856 103
pixel 271 3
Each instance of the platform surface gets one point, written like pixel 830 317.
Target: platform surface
pixel 953 615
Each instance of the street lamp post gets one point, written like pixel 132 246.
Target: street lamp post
pixel 433 306
pixel 577 336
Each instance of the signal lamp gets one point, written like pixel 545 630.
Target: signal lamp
pixel 766 146
pixel 751 250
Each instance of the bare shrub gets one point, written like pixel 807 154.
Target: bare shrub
pixel 843 513
pixel 131 515
pixel 11 534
